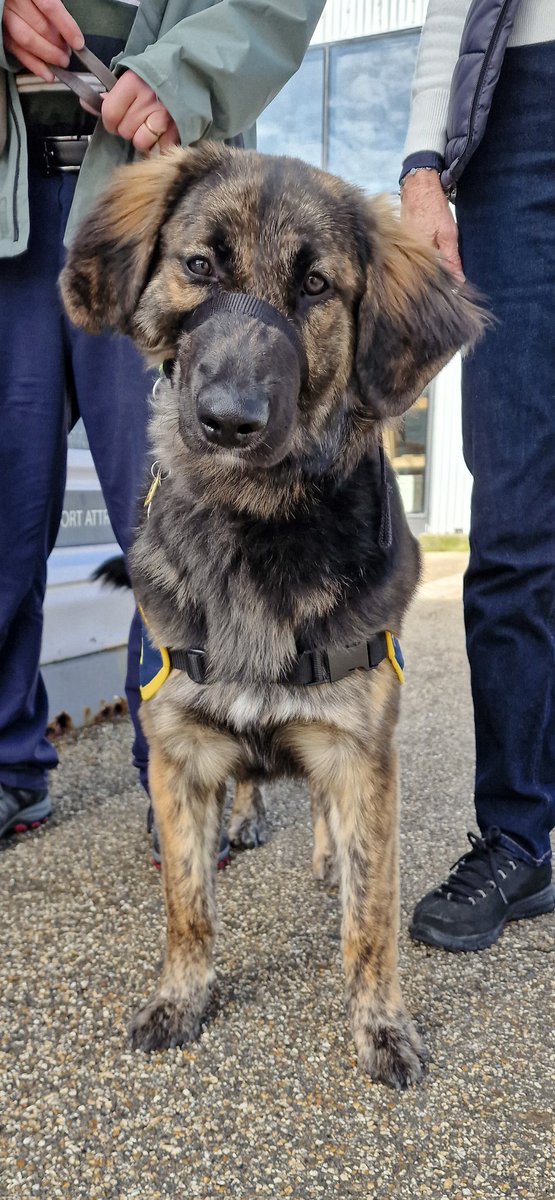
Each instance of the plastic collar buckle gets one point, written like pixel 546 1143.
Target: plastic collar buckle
pixel 344 659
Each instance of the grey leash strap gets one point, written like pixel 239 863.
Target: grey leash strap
pixel 81 88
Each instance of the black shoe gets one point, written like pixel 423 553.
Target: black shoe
pixel 223 852
pixel 486 888
pixel 22 809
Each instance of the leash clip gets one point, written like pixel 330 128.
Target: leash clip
pixel 157 476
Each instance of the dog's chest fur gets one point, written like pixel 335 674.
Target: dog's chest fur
pixel 254 592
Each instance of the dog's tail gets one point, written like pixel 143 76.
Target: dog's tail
pixel 113 573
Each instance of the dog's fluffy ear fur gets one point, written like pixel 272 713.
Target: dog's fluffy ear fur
pixel 112 254
pixel 412 317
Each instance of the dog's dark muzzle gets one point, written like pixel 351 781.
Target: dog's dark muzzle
pixel 246 366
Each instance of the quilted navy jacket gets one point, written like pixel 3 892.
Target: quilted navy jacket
pixel 483 44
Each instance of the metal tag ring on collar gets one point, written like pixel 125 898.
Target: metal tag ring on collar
pixel 247 305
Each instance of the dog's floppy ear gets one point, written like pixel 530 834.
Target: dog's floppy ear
pixel 412 317
pixel 112 255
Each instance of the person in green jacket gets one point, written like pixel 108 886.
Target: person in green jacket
pixel 187 69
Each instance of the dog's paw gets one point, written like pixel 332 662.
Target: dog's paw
pixel 163 1023
pixel 247 833
pixel 392 1052
pixel 325 870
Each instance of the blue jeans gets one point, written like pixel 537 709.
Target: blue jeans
pixel 506 215
pixel 47 370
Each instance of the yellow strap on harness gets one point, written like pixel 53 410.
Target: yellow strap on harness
pixel 392 656
pixel 148 690
pixel 154 664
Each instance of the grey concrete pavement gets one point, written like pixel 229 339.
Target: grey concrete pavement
pixel 269 1102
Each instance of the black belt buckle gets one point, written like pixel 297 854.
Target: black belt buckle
pixel 64 154
pixel 48 157
pixel 344 659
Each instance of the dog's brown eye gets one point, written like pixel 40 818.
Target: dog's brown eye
pixel 199 266
pixel 315 284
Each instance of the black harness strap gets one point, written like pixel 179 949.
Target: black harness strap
pixel 385 536
pixel 310 667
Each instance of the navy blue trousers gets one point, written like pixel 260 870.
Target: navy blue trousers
pixel 506 215
pixel 50 373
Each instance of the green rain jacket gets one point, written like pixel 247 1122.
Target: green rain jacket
pixel 214 64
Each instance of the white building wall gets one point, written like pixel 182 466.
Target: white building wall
pixel 81 617
pixel 83 657
pixel 343 19
pixel 450 483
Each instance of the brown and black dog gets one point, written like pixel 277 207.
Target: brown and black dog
pixel 274 559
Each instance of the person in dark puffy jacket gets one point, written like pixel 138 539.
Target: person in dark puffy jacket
pixel 482 132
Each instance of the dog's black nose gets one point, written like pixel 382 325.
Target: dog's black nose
pixel 229 419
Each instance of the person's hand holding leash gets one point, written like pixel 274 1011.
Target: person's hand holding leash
pixel 37 32
pixel 132 110
pixel 425 212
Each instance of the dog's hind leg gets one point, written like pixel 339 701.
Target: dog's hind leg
pixel 188 797
pixel 324 858
pixel 248 827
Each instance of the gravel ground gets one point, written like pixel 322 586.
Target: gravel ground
pixel 269 1102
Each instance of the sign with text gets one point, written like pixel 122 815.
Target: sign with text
pixel 84 520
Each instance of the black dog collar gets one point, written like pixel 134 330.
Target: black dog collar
pixel 246 305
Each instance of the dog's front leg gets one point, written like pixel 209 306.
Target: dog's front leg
pixel 188 819
pixel 364 819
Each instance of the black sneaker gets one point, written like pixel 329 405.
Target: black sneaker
pixel 22 809
pixel 486 888
pixel 223 852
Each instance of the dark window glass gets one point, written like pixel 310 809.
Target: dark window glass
pixel 370 83
pixel 292 123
